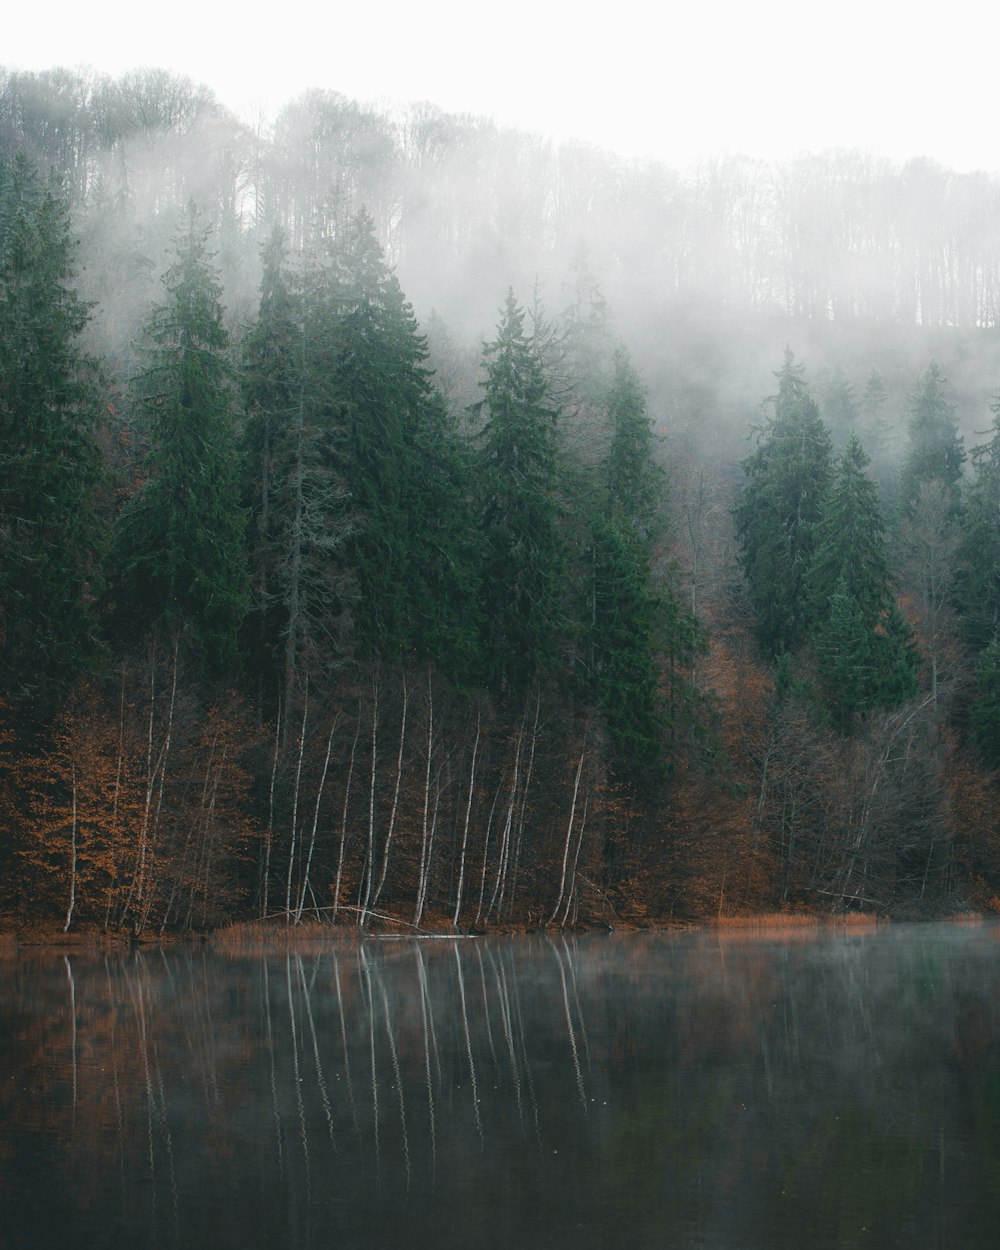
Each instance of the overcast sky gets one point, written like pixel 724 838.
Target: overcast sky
pixel 682 81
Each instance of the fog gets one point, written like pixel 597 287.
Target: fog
pixel 864 267
pixel 854 261
pixel 679 84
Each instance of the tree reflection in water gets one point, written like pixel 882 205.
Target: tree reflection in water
pixel 544 1091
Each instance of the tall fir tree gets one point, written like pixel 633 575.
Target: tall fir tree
pixel 839 406
pixel 626 611
pixel 863 647
pixel 300 515
pixel 788 476
pixel 523 556
pixel 404 467
pixel 936 452
pixel 984 714
pixel 50 469
pixel 875 429
pixel 179 556
pixel 978 574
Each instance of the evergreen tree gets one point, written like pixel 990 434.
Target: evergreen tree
pixel 404 468
pixel 523 560
pixel 842 642
pixel 294 489
pixel 179 546
pixel 635 480
pixel 840 408
pixel 874 427
pixel 849 541
pixel 792 385
pixel 936 452
pixel 626 612
pixel 985 714
pixel 788 477
pixel 49 460
pixel 587 338
pixel 862 645
pixel 978 590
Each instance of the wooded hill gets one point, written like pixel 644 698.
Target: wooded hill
pixel 646 566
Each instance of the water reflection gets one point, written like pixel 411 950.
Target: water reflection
pixel 640 1090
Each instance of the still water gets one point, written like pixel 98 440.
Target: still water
pixel 633 1091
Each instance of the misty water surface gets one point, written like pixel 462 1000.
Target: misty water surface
pixel 595 1091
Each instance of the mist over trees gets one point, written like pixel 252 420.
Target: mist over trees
pixel 406 516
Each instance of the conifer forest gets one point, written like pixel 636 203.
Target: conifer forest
pixel 405 519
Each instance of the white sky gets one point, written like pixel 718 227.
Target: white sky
pixel 680 80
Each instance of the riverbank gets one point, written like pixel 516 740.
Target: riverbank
pixel 273 935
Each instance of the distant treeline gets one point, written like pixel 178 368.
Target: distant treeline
pixel 459 201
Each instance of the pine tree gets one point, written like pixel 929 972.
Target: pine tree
pixel 863 648
pixel 849 541
pixel 936 452
pixel 523 559
pixel 985 713
pixel 179 546
pixel 49 461
pixel 978 590
pixel 626 611
pixel 840 408
pixel 635 480
pixel 300 515
pixel 404 468
pixel 788 477
pixel 871 414
pixel 792 385
pixel 842 641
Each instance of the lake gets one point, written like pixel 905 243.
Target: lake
pixel 661 1090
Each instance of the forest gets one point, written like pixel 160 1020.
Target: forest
pixel 407 521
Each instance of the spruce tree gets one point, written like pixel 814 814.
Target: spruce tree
pixel 523 556
pixel 635 479
pixel 404 468
pixel 978 574
pixel 936 452
pixel 788 476
pixel 985 712
pixel 300 516
pixel 840 408
pixel 49 461
pixel 179 556
pixel 625 608
pixel 863 648
pixel 875 429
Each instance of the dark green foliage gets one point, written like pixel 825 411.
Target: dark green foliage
pixel 635 480
pixel 293 454
pixel 787 479
pixel 404 470
pixel 985 715
pixel 626 609
pixel 626 614
pixel 978 579
pixel 842 642
pixel 863 648
pixel 49 459
pixel 179 543
pixel 643 640
pixel 849 544
pixel 936 452
pixel 523 555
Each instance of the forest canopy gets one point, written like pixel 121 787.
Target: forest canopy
pixel 404 519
